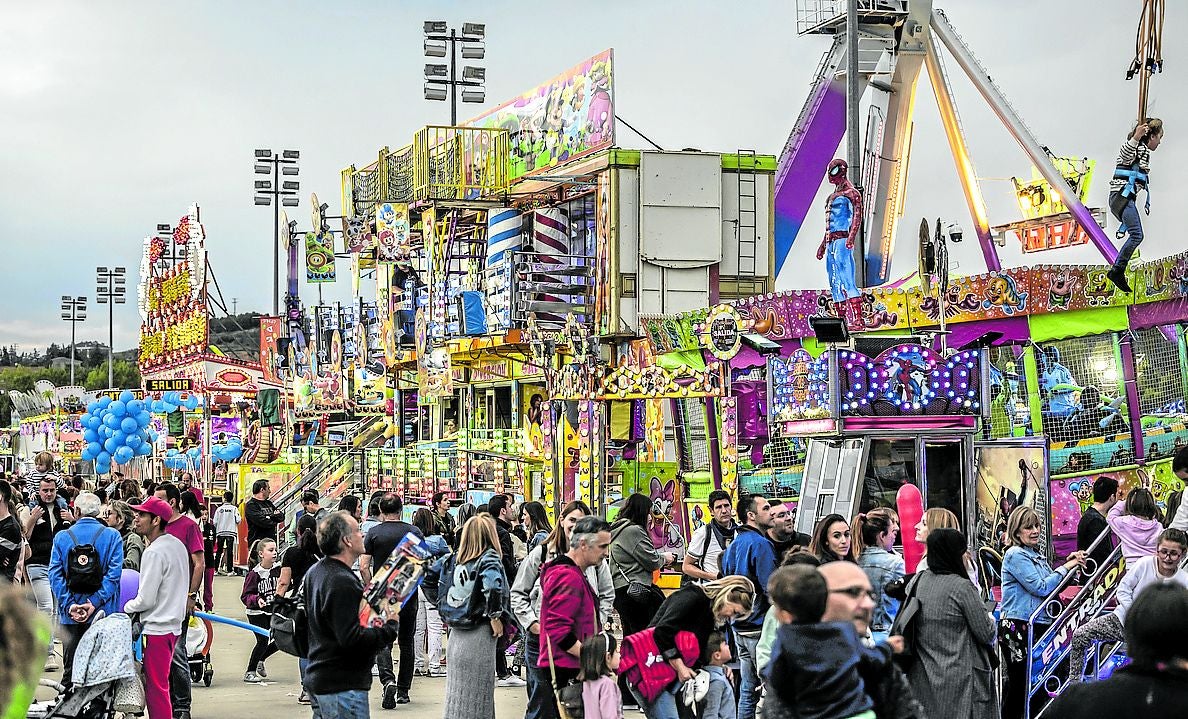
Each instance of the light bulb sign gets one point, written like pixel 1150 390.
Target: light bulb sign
pixel 721 333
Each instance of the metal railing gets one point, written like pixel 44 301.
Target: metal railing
pixel 825 16
pixel 1053 645
pixel 459 163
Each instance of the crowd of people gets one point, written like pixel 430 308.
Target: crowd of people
pixel 766 622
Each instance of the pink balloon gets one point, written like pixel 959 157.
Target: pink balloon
pixel 129 586
pixel 911 510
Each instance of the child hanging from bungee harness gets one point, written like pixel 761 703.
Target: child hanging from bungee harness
pixel 1131 175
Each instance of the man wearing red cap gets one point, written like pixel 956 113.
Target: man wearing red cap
pixel 160 600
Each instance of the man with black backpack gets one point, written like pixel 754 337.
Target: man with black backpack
pixel 84 573
pixel 710 540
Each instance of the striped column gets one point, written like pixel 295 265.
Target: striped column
pixel 505 234
pixel 550 241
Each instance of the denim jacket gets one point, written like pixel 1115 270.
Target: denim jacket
pixel 1027 579
pixel 882 567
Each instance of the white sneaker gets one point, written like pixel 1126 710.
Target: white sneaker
pixel 374 670
pixel 511 680
pixel 51 664
pixel 251 678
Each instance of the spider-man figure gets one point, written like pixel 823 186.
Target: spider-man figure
pixel 843 218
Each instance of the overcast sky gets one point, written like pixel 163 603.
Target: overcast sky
pixel 117 115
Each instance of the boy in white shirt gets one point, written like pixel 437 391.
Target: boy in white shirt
pixel 1164 566
pixel 226 522
pixel 160 600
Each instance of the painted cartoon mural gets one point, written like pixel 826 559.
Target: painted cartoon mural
pixel 570 116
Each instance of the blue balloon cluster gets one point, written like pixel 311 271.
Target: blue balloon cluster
pixel 172 401
pixel 192 457
pixel 116 431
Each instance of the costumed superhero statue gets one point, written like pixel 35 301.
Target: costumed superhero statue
pixel 1130 176
pixel 843 219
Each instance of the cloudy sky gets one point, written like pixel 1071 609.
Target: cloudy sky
pixel 117 115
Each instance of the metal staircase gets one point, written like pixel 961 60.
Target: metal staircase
pixel 1050 650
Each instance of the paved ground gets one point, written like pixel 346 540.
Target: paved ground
pixel 229 698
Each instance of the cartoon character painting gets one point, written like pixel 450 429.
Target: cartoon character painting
pixel 600 116
pixel 1004 294
pixel 665 534
pixel 909 380
pixel 1061 288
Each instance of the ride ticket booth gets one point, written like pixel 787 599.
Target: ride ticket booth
pixel 871 419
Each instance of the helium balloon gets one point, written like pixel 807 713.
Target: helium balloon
pixel 192 403
pixel 111 421
pixel 172 452
pixel 123 454
pixel 127 396
pixel 144 419
pixel 118 408
pixel 86 454
pixel 102 464
pixel 144 450
pixel 128 424
pixel 911 509
pixel 129 586
pixel 103 402
pixel 135 407
pixel 95 448
pixel 133 441
pixel 90 435
pixel 194 452
pixel 93 407
pixel 111 444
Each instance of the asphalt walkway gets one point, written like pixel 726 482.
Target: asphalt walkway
pixel 228 697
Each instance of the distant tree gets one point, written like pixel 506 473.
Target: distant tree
pixel 125 375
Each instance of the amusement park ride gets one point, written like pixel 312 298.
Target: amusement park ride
pixel 541 312
pixel 971 397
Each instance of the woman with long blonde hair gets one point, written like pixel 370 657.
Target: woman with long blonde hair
pixel 697 608
pixel 1027 579
pixel 474 602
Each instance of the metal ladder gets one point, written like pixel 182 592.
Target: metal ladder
pixel 746 229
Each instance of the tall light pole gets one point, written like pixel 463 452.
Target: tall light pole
pixel 277 193
pixel 173 252
pixel 74 310
pixel 110 290
pixel 441 79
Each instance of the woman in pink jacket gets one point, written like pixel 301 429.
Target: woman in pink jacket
pixel 1136 528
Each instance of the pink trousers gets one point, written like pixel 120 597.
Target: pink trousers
pixel 158 654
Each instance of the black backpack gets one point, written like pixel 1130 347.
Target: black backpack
pixel 289 626
pixel 84 570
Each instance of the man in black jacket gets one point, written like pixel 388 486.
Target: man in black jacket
pixel 500 507
pixel 262 516
pixel 378 545
pixel 341 652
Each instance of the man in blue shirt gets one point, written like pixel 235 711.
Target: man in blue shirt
pixel 751 555
pixel 76 610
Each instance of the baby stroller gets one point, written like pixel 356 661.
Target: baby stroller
pixel 104 676
pixel 199 637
